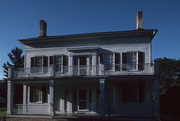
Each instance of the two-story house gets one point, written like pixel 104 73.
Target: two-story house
pixel 94 74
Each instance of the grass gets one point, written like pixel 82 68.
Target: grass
pixel 2 112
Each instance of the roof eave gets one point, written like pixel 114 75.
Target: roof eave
pixel 151 32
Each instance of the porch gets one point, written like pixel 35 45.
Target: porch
pixel 85 97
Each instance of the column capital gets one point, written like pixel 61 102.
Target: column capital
pixel 9 81
pixel 51 82
pixel 71 55
pixel 94 54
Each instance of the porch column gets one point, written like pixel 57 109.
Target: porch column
pixel 62 100
pixel 94 64
pixel 157 92
pixel 24 94
pixel 51 97
pixel 70 66
pixel 24 97
pixel 94 99
pixel 102 97
pixel 9 97
pixel 69 101
pixel 113 64
pixel 28 94
pixel 88 66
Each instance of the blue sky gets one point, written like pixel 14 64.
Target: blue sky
pixel 19 19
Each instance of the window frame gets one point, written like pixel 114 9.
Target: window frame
pixel 61 65
pixel 136 63
pixel 39 94
pixel 37 67
pixel 139 95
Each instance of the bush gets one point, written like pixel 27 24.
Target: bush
pixel 2 112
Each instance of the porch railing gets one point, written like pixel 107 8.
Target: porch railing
pixel 31 109
pixel 85 70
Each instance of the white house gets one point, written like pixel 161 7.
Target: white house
pixel 104 74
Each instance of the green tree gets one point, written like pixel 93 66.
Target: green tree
pixel 169 70
pixel 16 60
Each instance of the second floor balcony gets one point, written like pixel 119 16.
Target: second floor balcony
pixel 83 70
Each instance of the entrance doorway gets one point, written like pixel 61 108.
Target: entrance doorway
pixel 82 99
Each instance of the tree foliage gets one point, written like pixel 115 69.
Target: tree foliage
pixel 16 58
pixel 169 73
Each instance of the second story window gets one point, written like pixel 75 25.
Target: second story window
pixel 111 61
pixel 60 62
pixel 133 60
pixel 39 61
pixel 108 61
pixel 117 61
pixel 38 64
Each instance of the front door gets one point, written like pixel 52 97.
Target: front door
pixel 82 99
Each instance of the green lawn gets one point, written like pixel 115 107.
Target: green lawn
pixel 2 112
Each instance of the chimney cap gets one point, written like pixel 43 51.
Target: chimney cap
pixel 140 12
pixel 42 21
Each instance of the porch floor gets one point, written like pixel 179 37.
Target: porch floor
pixel 82 117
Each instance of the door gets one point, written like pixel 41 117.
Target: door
pixel 82 66
pixel 82 99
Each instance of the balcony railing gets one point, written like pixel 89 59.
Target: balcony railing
pixel 85 70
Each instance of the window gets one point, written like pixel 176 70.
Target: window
pixel 111 61
pixel 38 94
pixel 133 60
pixel 101 58
pixel 38 63
pixel 75 60
pixel 108 61
pixel 133 92
pixel 117 61
pixel 60 62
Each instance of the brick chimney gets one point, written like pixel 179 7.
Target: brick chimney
pixel 139 20
pixel 43 27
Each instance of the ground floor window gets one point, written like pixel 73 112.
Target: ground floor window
pixel 133 92
pixel 82 99
pixel 38 94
